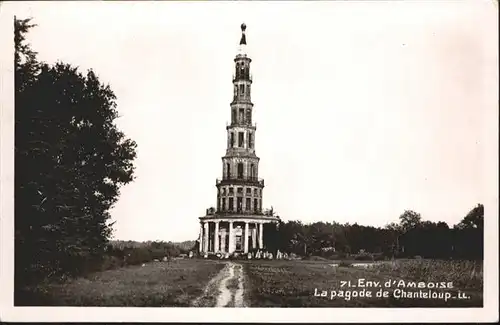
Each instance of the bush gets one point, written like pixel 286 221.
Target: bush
pixel 378 257
pixel 111 262
pixel 363 257
pixel 345 264
pixel 336 255
pixel 138 256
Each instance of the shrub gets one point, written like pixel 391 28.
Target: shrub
pixel 138 256
pixel 363 257
pixel 345 264
pixel 111 262
pixel 336 255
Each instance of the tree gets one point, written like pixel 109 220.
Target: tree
pixel 393 226
pixel 26 65
pixel 70 160
pixel 473 219
pixel 468 235
pixel 409 219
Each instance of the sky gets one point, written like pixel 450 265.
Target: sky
pixel 364 109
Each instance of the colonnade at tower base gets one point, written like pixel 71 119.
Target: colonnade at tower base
pixel 219 235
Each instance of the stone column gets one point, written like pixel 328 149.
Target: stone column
pixel 246 237
pixel 216 237
pixel 261 233
pixel 205 237
pixel 254 236
pixel 200 239
pixel 223 241
pixel 231 239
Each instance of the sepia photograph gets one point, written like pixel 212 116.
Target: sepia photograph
pixel 277 159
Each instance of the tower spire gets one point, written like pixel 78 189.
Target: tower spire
pixel 243 40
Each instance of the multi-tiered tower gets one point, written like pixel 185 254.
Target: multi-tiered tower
pixel 236 225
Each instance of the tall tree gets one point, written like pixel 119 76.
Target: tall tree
pixel 469 234
pixel 409 219
pixel 26 65
pixel 473 219
pixel 70 162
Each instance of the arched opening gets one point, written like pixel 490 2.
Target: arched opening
pixel 240 170
pixel 228 170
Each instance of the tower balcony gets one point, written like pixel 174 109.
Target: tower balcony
pixel 247 77
pixel 247 125
pixel 250 180
pixel 240 211
pixel 240 152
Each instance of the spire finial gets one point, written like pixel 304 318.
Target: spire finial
pixel 243 38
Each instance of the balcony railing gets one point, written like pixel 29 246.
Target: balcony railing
pixel 240 211
pixel 242 77
pixel 230 125
pixel 240 180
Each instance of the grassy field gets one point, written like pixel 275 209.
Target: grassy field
pixel 293 283
pixel 267 283
pixel 174 284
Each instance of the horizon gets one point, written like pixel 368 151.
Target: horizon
pixel 304 224
pixel 360 116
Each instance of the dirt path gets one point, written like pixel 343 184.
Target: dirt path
pixel 226 289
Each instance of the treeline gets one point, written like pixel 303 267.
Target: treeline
pixel 124 253
pixel 184 246
pixel 410 237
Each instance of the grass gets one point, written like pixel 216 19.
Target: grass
pixel 267 283
pixel 466 275
pixel 175 284
pixel 293 283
